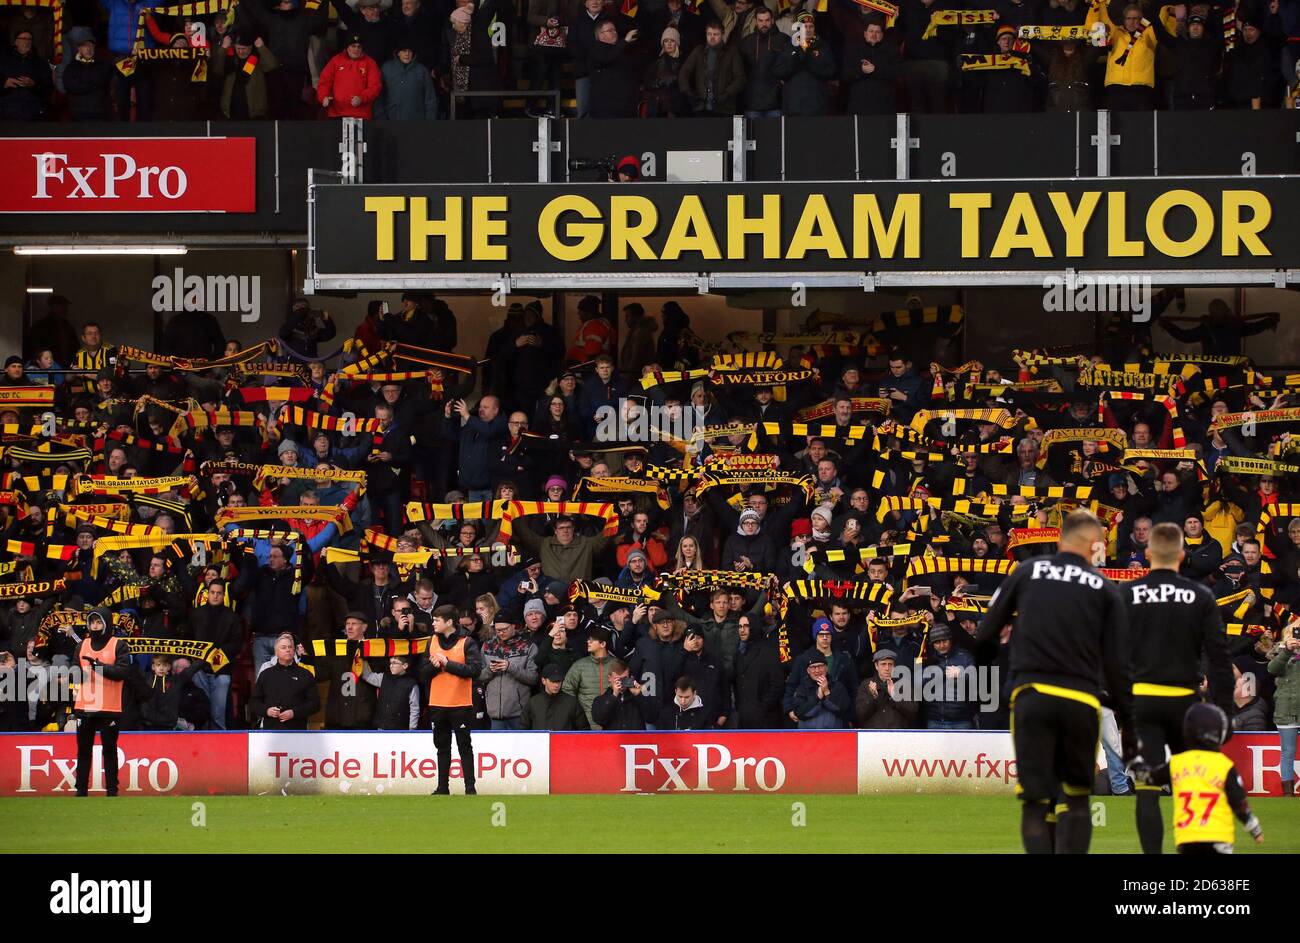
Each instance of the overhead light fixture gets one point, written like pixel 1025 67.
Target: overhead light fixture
pixel 40 291
pixel 100 250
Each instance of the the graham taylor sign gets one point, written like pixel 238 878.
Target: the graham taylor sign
pixel 1129 224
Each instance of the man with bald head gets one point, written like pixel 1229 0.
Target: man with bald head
pixel 1068 631
pixel 480 435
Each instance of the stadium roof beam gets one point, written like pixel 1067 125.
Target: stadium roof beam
pixel 705 283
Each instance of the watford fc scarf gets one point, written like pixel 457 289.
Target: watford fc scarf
pixel 862 592
pixel 847 436
pixel 740 461
pixel 966 606
pixel 1105 438
pixel 713 479
pixel 597 592
pixel 107 484
pixel 242 469
pixel 1103 378
pixel 297 416
pixel 871 405
pixel 925 566
pixel 417 512
pixel 621 484
pixel 199 56
pixel 858 556
pixel 439 359
pixel 998 417
pixel 507 511
pixel 292 512
pixel 199 419
pixel 159 542
pixel 275 394
pixel 123 625
pixel 45 455
pixel 705 433
pixel 1241 465
pixel 1237 420
pixel 1053 492
pixel 10 591
pixel 958 18
pixel 18 396
pixel 995 63
pixel 1031 536
pixel 889 10
pixel 264 472
pixel 179 648
pixel 1055 33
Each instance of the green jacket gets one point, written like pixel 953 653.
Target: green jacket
pixel 226 69
pixel 721 639
pixel 567 562
pixel 587 680
pixel 1286 695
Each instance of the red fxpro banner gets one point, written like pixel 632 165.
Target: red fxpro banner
pixel 1258 758
pixel 149 764
pixel 795 761
pixel 128 175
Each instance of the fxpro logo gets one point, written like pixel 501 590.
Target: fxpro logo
pixel 77 896
pixel 1099 294
pixel 715 767
pixel 216 293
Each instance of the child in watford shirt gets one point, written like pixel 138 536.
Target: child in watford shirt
pixel 1206 789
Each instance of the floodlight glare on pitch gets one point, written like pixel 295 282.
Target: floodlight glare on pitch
pixel 100 250
pixel 40 291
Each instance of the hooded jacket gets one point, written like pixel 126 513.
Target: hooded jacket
pixel 675 717
pixel 122 667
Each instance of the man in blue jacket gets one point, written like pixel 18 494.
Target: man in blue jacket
pixel 480 437
pixel 123 21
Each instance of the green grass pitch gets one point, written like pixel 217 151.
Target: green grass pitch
pixel 549 824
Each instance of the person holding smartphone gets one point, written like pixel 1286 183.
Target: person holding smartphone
pixel 625 705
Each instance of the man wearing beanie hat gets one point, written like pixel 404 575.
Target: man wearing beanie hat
pixel 1009 90
pixel 551 708
pixel 349 705
pixel 1203 552
pixel 509 671
pixel 409 93
pixel 805 68
pixel 350 82
pixel 240 67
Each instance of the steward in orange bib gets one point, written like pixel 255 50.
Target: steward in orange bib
pixel 1206 788
pixel 451 664
pixel 106 667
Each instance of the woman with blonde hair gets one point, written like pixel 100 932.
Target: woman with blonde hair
pixel 688 555
pixel 485 607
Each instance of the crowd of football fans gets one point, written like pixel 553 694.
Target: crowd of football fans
pixel 408 59
pixel 631 527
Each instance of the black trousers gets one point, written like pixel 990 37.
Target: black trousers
pixel 1130 97
pixel 107 726
pixel 1056 745
pixel 448 721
